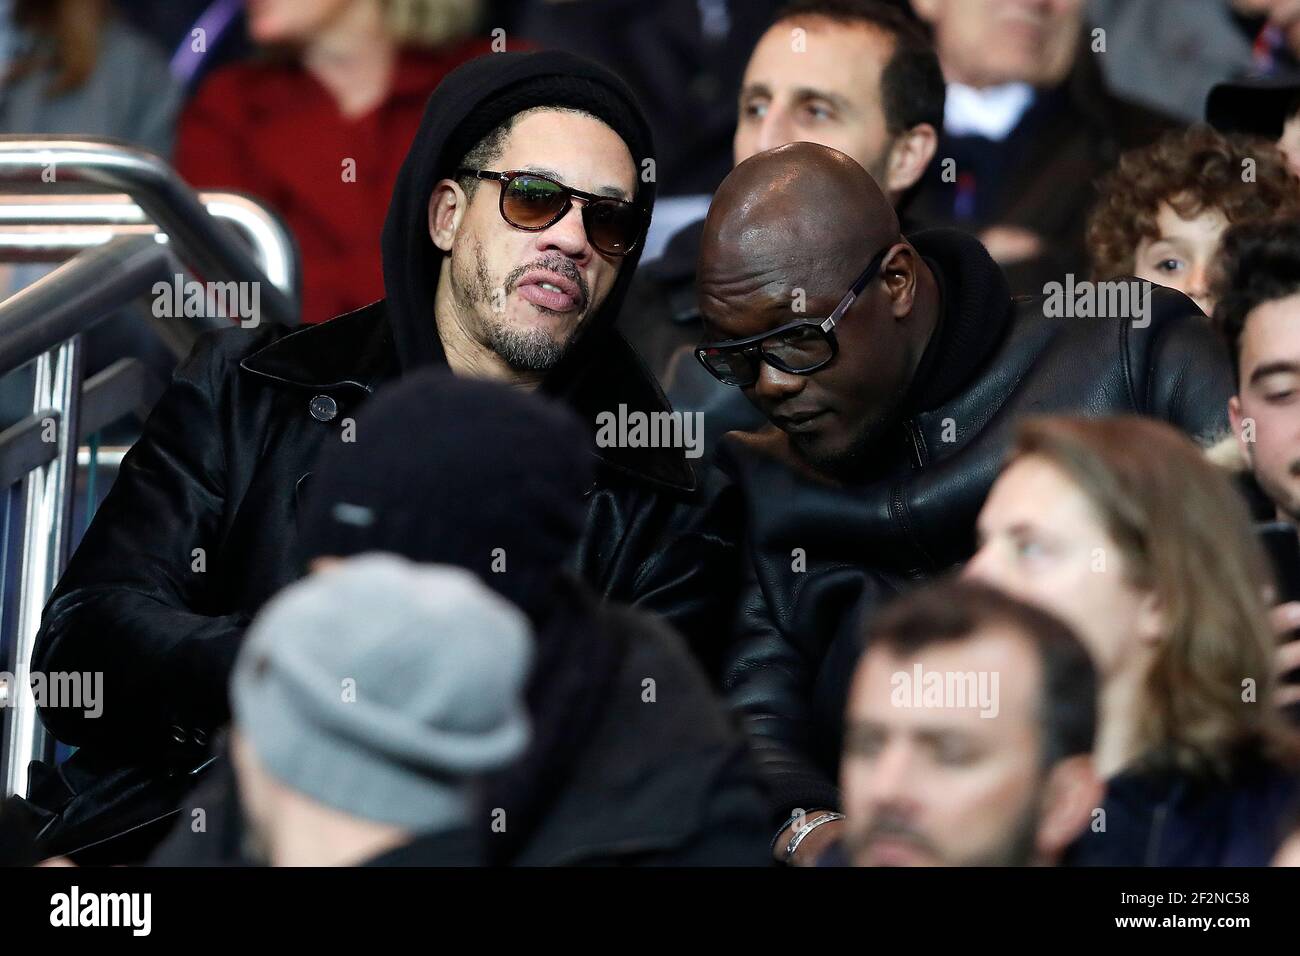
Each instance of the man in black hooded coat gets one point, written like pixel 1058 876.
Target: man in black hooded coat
pixel 200 528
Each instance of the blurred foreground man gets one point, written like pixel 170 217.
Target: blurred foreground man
pixel 892 371
pixel 369 702
pixel 513 231
pixel 969 735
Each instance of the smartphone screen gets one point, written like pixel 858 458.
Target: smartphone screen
pixel 1283 546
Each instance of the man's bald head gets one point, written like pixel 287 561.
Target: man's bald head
pixel 789 233
pixel 801 204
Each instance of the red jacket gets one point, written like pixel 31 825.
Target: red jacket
pixel 273 130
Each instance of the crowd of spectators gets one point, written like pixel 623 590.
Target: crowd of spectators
pixel 825 433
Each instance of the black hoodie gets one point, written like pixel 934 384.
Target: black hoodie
pixel 201 525
pixel 468 104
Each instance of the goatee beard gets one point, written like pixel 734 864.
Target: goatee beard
pixel 529 350
pixel 524 350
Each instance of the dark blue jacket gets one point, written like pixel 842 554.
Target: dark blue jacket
pixel 1167 819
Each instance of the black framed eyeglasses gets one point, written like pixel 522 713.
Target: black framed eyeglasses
pixel 800 348
pixel 533 202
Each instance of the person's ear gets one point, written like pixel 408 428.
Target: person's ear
pixel 898 275
pixel 909 157
pixel 1071 794
pixel 446 212
pixel 1239 428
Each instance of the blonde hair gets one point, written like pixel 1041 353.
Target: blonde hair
pixel 1186 535
pixel 431 22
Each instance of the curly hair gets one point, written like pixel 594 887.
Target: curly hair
pixel 1191 170
pixel 1260 263
pixel 431 22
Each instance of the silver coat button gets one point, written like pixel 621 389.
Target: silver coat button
pixel 323 408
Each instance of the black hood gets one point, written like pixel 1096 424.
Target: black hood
pixel 469 103
pixel 975 311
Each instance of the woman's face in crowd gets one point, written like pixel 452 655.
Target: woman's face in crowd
pixel 1183 252
pixel 1041 540
pixel 293 21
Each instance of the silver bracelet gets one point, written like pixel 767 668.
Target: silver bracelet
pixel 806 829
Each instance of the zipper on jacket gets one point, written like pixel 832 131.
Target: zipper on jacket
pixel 917 443
pixel 922 562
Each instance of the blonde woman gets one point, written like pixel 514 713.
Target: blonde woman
pixel 319 124
pixel 1124 530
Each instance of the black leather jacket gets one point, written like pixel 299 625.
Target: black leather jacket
pixel 200 526
pixel 993 361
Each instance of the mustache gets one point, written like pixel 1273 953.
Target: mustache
pixel 560 265
pixel 889 826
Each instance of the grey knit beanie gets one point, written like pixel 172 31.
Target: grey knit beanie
pixel 382 688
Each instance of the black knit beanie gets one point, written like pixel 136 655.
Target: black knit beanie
pixel 574 92
pixel 446 470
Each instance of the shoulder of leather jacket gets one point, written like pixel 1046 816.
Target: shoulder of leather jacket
pixel 621 382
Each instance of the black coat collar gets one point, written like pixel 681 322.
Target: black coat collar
pixel 356 350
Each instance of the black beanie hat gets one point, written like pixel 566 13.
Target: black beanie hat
pixel 446 470
pixel 574 92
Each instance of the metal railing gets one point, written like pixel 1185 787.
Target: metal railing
pixel 44 228
pixel 43 323
pixel 64 167
pixel 120 221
